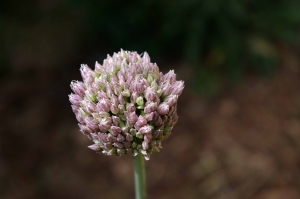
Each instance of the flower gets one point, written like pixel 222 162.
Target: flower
pixel 125 105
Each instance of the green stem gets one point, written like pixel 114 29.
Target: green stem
pixel 139 176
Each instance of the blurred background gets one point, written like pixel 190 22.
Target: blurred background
pixel 238 134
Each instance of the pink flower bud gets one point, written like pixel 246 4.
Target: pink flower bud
pixel 121 99
pixel 94 147
pixel 115 130
pixel 150 107
pixel 133 97
pixel 170 77
pixel 115 120
pixel 149 116
pixel 90 122
pixel 120 138
pixel 75 109
pixel 79 117
pixel 103 137
pixel 78 87
pixel 129 137
pixel 140 122
pixel 145 129
pixel 88 107
pixel 117 90
pixel 148 137
pixel 114 99
pixel 109 91
pixel 98 68
pixel 84 129
pixel 105 124
pixel 118 145
pixel 132 119
pixel 98 116
pixel 155 115
pixel 111 138
pixel 177 88
pixel 114 80
pixel 171 100
pixel 138 85
pixel 154 70
pixel 165 88
pixel 94 137
pixel 75 99
pixel 103 105
pixel 150 95
pixel 121 79
pixel 146 59
pixel 102 95
pixel 145 145
pixel 158 121
pixel 130 108
pixel 163 109
pixel 126 144
pixel 121 108
pixel 86 71
pixel 114 109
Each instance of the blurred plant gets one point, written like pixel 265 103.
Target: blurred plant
pixel 219 39
pixel 225 38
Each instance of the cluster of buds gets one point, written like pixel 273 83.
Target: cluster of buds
pixel 125 105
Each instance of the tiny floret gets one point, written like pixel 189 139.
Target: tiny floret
pixel 126 106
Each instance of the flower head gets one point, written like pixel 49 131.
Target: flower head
pixel 125 105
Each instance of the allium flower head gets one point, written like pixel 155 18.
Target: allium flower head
pixel 125 105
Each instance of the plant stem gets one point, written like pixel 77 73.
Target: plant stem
pixel 139 176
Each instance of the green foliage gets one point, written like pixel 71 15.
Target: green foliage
pixel 225 38
pixel 219 39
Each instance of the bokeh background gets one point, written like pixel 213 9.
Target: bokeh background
pixel 238 134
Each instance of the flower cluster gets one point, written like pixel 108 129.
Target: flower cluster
pixel 125 105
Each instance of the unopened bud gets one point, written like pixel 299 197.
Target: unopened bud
pixel 163 109
pixel 145 129
pixel 75 99
pixel 103 105
pixel 115 130
pixel 150 107
pixel 94 147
